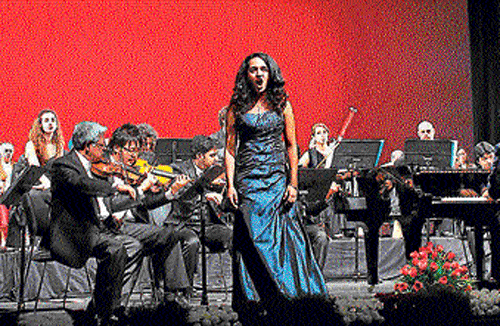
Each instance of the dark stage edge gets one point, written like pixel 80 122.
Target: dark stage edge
pixel 339 273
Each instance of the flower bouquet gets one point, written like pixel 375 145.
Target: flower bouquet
pixel 431 265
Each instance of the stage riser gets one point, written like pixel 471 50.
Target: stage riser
pixel 340 263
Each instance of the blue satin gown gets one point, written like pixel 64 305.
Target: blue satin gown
pixel 272 257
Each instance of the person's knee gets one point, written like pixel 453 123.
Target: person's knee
pixel 192 243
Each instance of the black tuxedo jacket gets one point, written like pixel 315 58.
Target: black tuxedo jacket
pixel 75 222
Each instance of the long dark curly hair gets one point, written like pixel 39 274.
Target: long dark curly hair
pixel 244 96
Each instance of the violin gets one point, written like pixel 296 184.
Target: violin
pixel 164 173
pixel 105 168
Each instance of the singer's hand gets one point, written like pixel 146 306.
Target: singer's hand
pixel 232 195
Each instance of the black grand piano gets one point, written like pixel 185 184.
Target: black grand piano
pixel 446 188
pixel 437 193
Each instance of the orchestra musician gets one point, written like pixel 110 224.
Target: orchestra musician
pixel 186 213
pixel 462 161
pixel 6 171
pixel 494 193
pixel 220 135
pixel 158 241
pixel 426 130
pixel 148 137
pixel 78 230
pixel 314 219
pixel 46 143
pixel 7 163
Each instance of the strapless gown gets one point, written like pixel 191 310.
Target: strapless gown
pixel 272 256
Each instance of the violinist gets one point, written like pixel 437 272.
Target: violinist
pixel 157 241
pixel 77 230
pixel 218 233
pixel 148 137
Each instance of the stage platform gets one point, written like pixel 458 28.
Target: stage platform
pixel 340 274
pixel 345 261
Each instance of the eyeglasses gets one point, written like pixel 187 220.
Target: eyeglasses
pixel 134 150
pixel 426 131
pixel 99 145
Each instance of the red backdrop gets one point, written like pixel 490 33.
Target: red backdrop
pixel 173 64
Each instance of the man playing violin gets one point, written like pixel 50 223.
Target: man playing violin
pixel 218 232
pixel 78 230
pixel 158 241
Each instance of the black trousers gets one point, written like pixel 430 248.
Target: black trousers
pixel 118 260
pixel 159 243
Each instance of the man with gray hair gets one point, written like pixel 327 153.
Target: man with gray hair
pixel 78 229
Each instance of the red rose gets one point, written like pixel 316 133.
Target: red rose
pixel 468 288
pixel 403 286
pixel 464 269
pixel 418 286
pixel 447 266
pixel 455 273
pixel 465 277
pixel 434 267
pixel 443 280
pixel 405 270
pixel 423 250
pixel 430 245
pixel 450 256
pixel 424 255
pixel 455 265
pixel 422 265
pixel 413 272
pixel 439 248
pixel 414 254
pixel 415 261
pixel 434 255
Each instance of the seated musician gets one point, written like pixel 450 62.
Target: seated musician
pixel 315 211
pixel 426 130
pixel 6 168
pixel 405 200
pixel 77 228
pixel 187 212
pixel 494 193
pixel 484 153
pixel 148 137
pixel 462 161
pixel 46 143
pixel 7 164
pixel 220 135
pixel 157 241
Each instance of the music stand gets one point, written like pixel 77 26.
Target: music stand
pixel 357 153
pixel 202 182
pixel 170 150
pixel 438 153
pixel 316 182
pixel 196 189
pixel 28 177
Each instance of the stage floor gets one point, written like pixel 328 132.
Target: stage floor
pixel 339 272
pixel 51 312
